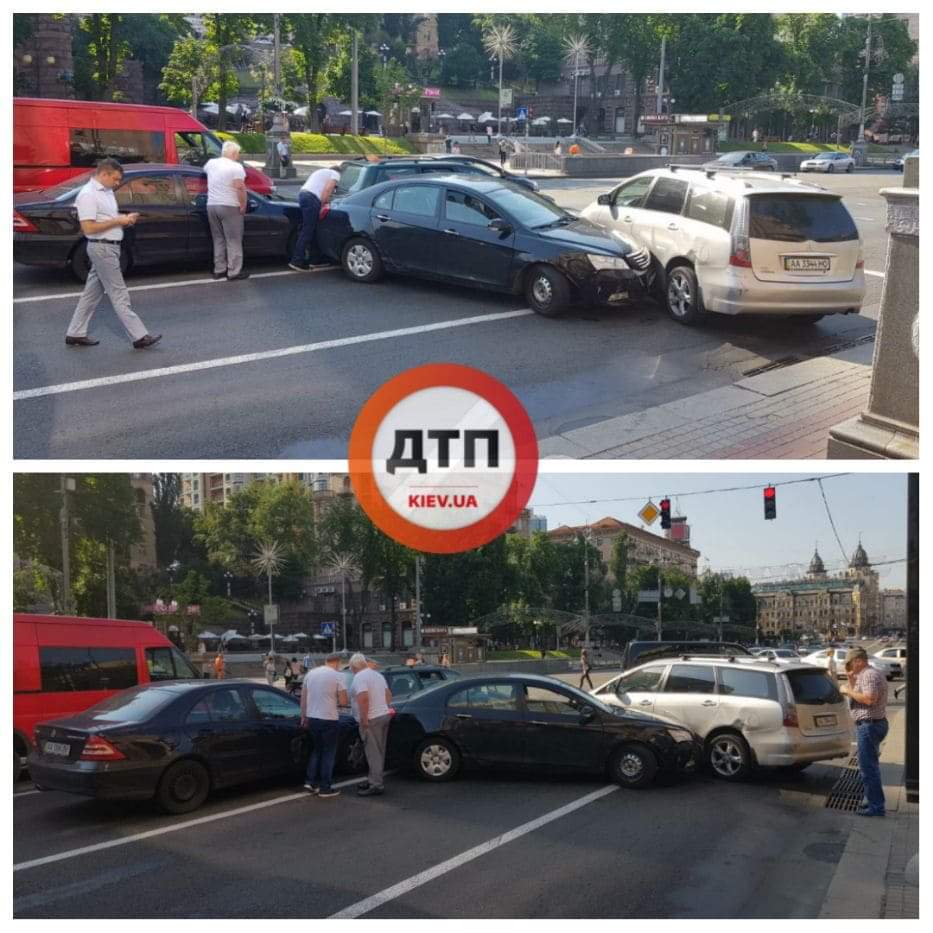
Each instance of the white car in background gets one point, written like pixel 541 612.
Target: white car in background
pixel 748 712
pixel 890 668
pixel 778 655
pixel 829 162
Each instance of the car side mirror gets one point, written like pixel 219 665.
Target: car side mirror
pixel 499 224
pixel 605 200
pixel 587 714
pixel 251 205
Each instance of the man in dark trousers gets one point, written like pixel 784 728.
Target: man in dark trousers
pixel 315 192
pixel 503 152
pixel 102 224
pixel 585 668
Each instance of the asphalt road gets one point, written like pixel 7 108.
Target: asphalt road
pixel 279 365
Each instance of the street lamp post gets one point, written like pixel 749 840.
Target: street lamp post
pixel 343 608
pixel 228 576
pixel 67 486
pixel 418 561
pixel 587 540
pixel 384 52
pixel 867 54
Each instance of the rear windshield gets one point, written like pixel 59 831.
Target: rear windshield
pixel 813 687
pixel 795 218
pixel 62 191
pixel 130 705
pixel 351 178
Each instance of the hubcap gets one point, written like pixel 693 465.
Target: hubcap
pixel 679 295
pixel 542 290
pixel 436 760
pixel 631 765
pixel 726 757
pixel 359 261
pixel 184 787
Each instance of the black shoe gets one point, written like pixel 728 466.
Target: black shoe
pixel 299 266
pixel 238 277
pixel 370 792
pixel 147 341
pixel 81 342
pixel 216 276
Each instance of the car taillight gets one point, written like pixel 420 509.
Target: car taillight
pixel 22 225
pixel 741 258
pixel 741 253
pixel 860 263
pixel 97 748
pixel 790 715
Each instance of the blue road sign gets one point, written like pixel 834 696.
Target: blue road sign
pixel 328 628
pixel 521 113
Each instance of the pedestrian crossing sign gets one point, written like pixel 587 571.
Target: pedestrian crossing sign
pixel 649 513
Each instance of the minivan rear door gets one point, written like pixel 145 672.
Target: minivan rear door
pixel 801 237
pixel 821 709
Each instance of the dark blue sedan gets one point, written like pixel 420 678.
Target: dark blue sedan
pixel 483 233
pixel 171 201
pixel 177 741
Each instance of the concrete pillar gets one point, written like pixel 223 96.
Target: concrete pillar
pixel 889 428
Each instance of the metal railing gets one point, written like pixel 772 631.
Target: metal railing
pixel 536 161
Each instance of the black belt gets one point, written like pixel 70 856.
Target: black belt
pixel 111 242
pixel 883 719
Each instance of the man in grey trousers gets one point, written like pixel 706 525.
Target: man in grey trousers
pixel 226 205
pixel 102 224
pixel 370 698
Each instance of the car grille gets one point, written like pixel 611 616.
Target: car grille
pixel 639 259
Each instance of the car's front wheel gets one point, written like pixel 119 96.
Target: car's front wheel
pixel 830 169
pixel 547 291
pixel 633 765
pixel 360 260
pixel 436 759
pixel 184 787
pixel 728 756
pixel 682 295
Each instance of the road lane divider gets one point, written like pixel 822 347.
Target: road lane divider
pixel 484 848
pixel 183 368
pixel 180 284
pixel 175 827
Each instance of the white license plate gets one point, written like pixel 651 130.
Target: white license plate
pixel 806 264
pixel 826 720
pixel 56 748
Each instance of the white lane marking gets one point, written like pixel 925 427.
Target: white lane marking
pixel 182 284
pixel 27 793
pixel 415 881
pixel 141 375
pixel 877 275
pixel 200 821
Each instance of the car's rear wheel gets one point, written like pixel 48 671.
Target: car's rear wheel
pixel 354 755
pixel 633 765
pixel 849 168
pixel 728 756
pixel 184 787
pixel 79 264
pixel 830 169
pixel 436 759
pixel 682 295
pixel 547 291
pixel 360 260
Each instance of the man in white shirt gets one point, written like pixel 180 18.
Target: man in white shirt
pixel 314 193
pixel 370 696
pixel 321 693
pixel 226 205
pixel 102 224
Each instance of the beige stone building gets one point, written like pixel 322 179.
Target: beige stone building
pixel 644 547
pixel 197 489
pixel 143 553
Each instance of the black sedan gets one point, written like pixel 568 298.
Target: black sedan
pixel 171 201
pixel 483 233
pixel 177 741
pixel 533 723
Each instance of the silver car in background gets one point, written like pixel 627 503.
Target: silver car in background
pixel 829 162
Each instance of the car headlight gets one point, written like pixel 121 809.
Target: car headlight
pixel 680 735
pixel 606 262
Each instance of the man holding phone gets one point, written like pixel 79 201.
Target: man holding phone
pixel 102 224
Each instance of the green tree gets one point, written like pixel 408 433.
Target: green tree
pixel 228 34
pixel 101 47
pixel 463 66
pixel 193 66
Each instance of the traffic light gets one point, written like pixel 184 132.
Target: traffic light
pixel 665 513
pixel 770 502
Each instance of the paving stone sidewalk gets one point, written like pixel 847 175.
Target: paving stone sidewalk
pixel 785 413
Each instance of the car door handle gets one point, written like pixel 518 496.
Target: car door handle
pixel 452 232
pixel 644 703
pixel 464 716
pixel 709 702
pixel 382 217
pixel 672 227
pixel 627 220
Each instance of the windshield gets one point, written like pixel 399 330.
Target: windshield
pixel 351 178
pixel 825 156
pixel 528 208
pixel 730 158
pixel 133 705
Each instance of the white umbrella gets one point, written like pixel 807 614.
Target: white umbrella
pixel 485 117
pixel 540 121
pixel 445 116
pixel 347 113
pixel 208 635
pixel 258 637
pixel 373 113
pixel 465 116
pixel 564 120
pixel 300 635
pixel 230 634
pixel 301 111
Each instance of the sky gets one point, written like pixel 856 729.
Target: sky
pixel 729 528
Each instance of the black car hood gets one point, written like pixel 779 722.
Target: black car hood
pixel 584 234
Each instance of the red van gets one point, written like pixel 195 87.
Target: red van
pixel 54 140
pixel 62 665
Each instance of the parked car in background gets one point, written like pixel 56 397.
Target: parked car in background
pixel 739 244
pixel 482 233
pixel 55 140
pixel 530 723
pixel 744 160
pixel 890 669
pixel 748 712
pixel 177 742
pixel 892 654
pixel 899 161
pixel 171 201
pixel 65 664
pixel 829 162
pixel 778 655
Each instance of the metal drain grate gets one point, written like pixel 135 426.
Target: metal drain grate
pixel 774 364
pixel 847 792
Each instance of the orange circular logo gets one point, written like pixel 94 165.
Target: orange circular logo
pixel 443 458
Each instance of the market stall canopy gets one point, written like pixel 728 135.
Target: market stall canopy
pixel 564 120
pixel 373 113
pixel 540 121
pixel 208 635
pixel 445 116
pixel 465 116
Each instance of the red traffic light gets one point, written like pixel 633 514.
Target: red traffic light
pixel 770 502
pixel 665 506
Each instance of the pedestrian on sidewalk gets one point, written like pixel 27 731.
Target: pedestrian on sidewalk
pixel 455 149
pixel 269 668
pixel 226 205
pixel 585 668
pixel 831 663
pixel 314 194
pixel 370 698
pixel 102 224
pixel 220 666
pixel 867 691
pixel 321 693
pixel 503 152
pixel 307 662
